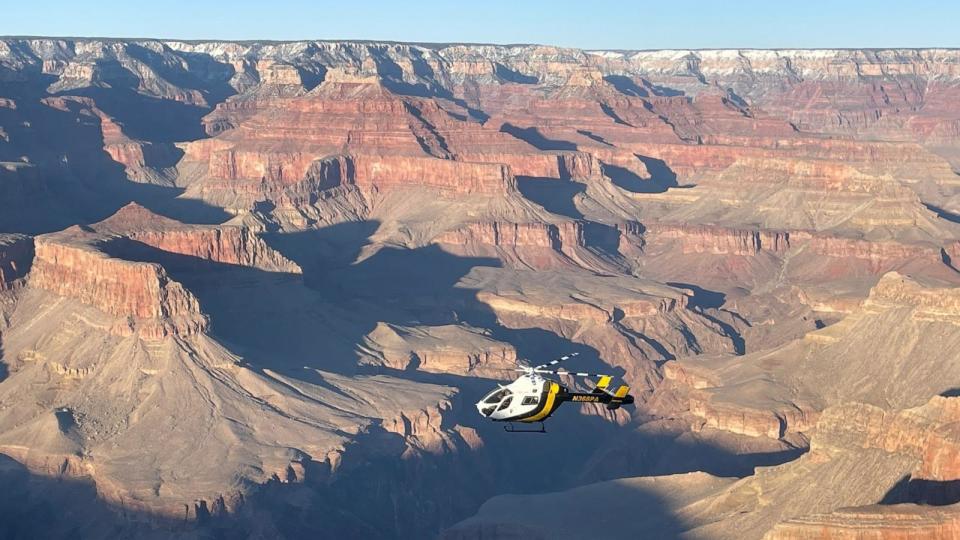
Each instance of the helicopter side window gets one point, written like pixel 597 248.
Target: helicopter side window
pixel 505 404
pixel 497 396
pixel 530 400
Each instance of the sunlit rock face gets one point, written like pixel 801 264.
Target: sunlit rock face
pixel 253 289
pixel 870 473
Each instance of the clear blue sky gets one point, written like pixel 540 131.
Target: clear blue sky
pixel 599 24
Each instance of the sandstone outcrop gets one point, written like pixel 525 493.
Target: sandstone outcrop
pixel 228 244
pixel 721 240
pixel 440 349
pixel 141 295
pixel 527 245
pixel 876 521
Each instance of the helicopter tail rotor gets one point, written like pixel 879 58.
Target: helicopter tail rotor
pixel 620 397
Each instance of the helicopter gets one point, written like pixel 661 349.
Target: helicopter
pixel 533 398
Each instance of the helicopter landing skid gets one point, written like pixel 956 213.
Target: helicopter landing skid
pixel 509 428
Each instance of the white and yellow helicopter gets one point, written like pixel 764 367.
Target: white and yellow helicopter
pixel 532 398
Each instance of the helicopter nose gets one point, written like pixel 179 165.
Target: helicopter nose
pixel 481 406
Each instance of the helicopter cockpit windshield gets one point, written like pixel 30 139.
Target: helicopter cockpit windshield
pixel 501 397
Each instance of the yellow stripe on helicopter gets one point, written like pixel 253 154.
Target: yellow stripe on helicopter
pixel 548 407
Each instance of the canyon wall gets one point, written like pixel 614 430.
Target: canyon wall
pixel 142 293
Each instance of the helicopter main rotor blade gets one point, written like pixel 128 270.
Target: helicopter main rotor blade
pixel 571 373
pixel 557 361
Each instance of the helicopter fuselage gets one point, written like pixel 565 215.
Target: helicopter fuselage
pixel 532 398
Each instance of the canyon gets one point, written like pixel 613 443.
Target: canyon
pixel 253 289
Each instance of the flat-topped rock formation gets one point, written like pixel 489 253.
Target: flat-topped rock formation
pixel 67 265
pixel 228 244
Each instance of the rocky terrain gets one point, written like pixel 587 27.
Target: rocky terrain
pixel 254 289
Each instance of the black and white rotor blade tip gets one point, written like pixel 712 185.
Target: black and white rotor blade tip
pixel 571 373
pixel 557 361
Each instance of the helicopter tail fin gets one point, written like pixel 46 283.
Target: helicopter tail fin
pixel 603 384
pixel 620 397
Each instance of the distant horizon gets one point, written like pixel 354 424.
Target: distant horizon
pixel 438 44
pixel 603 25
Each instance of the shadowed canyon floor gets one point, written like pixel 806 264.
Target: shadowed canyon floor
pixel 254 289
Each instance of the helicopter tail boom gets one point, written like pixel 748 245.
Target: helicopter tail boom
pixel 613 400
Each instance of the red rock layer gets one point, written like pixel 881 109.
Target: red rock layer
pixel 800 156
pixel 545 235
pixel 133 154
pixel 533 245
pixel 721 240
pixel 929 434
pixel 273 166
pixel 142 293
pixel 274 172
pixel 228 244
pixel 712 118
pixel 916 110
pixel 386 142
pixel 516 308
pixel 445 175
pixel 564 116
pixel 559 165
pixel 887 522
pixel 880 256
pixel 745 421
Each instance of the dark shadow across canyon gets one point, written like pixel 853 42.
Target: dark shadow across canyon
pixel 923 491
pixel 662 177
pixel 69 179
pixel 556 196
